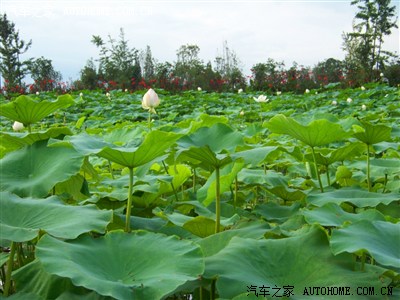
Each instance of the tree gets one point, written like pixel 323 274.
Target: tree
pixel 118 62
pixel 374 20
pixel 89 76
pixel 43 73
pixel 11 48
pixel 228 66
pixel 147 64
pixel 268 75
pixel 188 66
pixel 328 71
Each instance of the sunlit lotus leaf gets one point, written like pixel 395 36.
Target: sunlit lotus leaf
pixel 207 147
pixel 317 133
pixel 23 218
pixel 294 261
pixel 10 141
pixel 358 197
pixel 371 134
pixel 26 110
pixel 332 214
pixel 153 146
pixel 35 169
pixel 380 239
pixel 140 265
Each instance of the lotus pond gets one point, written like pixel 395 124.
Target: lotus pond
pixel 216 196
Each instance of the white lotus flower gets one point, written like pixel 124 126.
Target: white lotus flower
pixel 363 107
pixel 80 94
pixel 240 91
pixel 316 93
pixel 349 100
pixel 37 93
pixel 17 126
pixel 307 91
pixel 362 88
pixel 381 75
pixel 150 101
pixel 334 102
pixel 261 98
pixel 126 90
pixel 108 95
pixel 199 89
pixel 278 93
pixel 241 113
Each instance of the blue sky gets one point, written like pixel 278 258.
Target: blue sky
pixel 301 31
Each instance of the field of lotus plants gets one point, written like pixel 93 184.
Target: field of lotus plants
pixel 198 195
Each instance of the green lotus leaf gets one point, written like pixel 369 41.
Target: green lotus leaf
pixel 206 146
pixel 294 261
pixel 341 154
pixel 23 218
pixel 380 238
pixel 358 197
pixel 28 111
pixel 371 134
pixel 332 214
pixel 200 226
pixel 206 194
pixel 35 169
pixel 11 141
pixel 257 155
pixel 275 212
pixel 317 133
pixel 33 282
pixel 153 146
pixel 140 265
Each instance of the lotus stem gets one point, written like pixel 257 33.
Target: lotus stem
pixel 10 263
pixel 149 120
pixel 316 170
pixel 235 193
pixel 194 180
pixel 368 170
pixel 129 205
pixel 217 202
pixel 327 175
pixel 29 128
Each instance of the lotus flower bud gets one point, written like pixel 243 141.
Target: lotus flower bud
pixel 349 100
pixel 17 126
pixel 150 100
pixel 334 102
pixel 278 93
pixel 199 89
pixel 307 91
pixel 363 107
pixel 362 88
pixel 240 91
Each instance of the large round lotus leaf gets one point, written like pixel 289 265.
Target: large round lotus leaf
pixel 35 169
pixel 153 146
pixel 33 279
pixel 332 214
pixel 14 140
pixel 317 133
pixel 139 265
pixel 358 197
pixel 371 133
pixel 21 219
pixel 301 261
pixel 381 239
pixel 27 111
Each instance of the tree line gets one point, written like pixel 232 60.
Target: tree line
pixel 120 66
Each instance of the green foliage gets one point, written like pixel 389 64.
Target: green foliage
pixel 79 178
